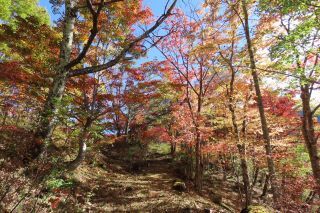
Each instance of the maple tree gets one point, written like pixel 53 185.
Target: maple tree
pixel 222 97
pixel 195 70
pixel 295 52
pixel 66 63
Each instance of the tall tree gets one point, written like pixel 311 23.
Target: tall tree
pixel 194 68
pixel 232 105
pixel 296 53
pixel 225 25
pixel 264 124
pixel 64 68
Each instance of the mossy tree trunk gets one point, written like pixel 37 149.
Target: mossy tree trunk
pixel 50 109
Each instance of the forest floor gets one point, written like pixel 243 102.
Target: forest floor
pixel 115 190
pixel 115 179
pixel 112 185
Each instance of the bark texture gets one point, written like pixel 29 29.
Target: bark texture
pixel 264 125
pixel 308 133
pixel 82 146
pixel 240 144
pixel 48 115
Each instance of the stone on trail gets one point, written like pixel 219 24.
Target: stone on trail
pixel 179 186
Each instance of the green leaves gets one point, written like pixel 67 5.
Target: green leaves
pixel 285 6
pixel 23 8
pixel 5 11
pixel 289 45
pixel 56 183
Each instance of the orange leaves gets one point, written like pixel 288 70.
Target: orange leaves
pixel 279 105
pixel 220 147
pixel 145 16
pixel 108 97
pixel 136 73
pixel 15 73
pixel 12 71
pixel 157 133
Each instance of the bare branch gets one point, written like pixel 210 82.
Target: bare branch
pixel 93 32
pixel 315 109
pixel 122 54
pixel 285 74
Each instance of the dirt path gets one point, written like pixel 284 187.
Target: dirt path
pixel 113 189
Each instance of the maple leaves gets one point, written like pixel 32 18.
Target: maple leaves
pixel 11 71
pixel 280 106
pixel 26 65
pixel 24 55
pixel 197 96
pixel 24 9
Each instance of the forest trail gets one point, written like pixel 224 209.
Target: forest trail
pixel 114 189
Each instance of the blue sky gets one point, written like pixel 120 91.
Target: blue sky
pixel 157 7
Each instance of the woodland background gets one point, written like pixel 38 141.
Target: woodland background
pixel 159 106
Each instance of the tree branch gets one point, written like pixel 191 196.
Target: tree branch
pixel 122 54
pixel 104 4
pixel 285 74
pixel 93 32
pixel 315 109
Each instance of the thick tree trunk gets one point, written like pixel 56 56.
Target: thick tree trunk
pixel 118 132
pixel 188 162
pixel 82 146
pixel 264 125
pixel 48 115
pixel 309 134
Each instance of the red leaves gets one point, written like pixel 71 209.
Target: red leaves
pixel 12 71
pixel 60 195
pixel 279 105
pixel 157 133
pixel 34 45
pixel 136 73
pixel 55 202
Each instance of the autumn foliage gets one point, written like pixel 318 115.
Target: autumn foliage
pixel 231 87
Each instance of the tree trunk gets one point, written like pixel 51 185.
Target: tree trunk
pixel 242 152
pixel 82 146
pixel 4 118
pixel 264 125
pixel 265 186
pixel 240 144
pixel 255 177
pixel 199 161
pixel 309 134
pixel 189 163
pixel 48 114
pixel 198 178
pixel 118 132
pixel 127 131
pixel 173 149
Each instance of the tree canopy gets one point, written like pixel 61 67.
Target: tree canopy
pixel 115 103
